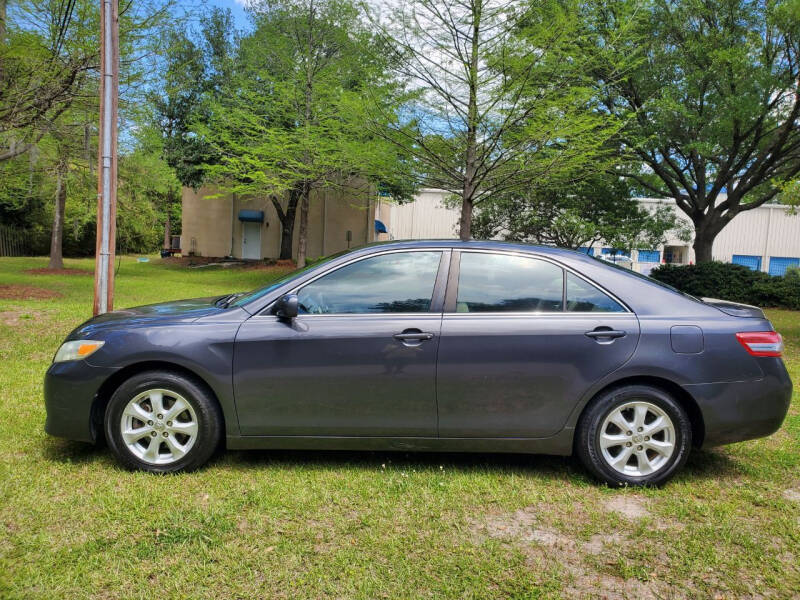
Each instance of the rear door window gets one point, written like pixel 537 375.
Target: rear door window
pixel 508 283
pixel 582 296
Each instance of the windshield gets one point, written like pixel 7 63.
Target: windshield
pixel 260 292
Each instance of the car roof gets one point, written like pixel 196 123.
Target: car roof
pixel 467 244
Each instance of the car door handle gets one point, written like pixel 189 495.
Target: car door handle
pixel 415 335
pixel 605 333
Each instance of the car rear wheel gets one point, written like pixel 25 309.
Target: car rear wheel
pixel 634 435
pixel 162 422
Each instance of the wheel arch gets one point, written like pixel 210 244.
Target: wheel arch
pixel 111 384
pixel 684 398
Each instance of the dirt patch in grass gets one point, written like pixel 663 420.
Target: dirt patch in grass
pixel 11 317
pixel 792 494
pixel 245 265
pixel 45 271
pixel 630 507
pixel 544 546
pixel 26 292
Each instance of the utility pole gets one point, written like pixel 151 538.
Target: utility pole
pixel 107 158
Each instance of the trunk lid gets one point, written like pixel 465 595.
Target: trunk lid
pixel 735 309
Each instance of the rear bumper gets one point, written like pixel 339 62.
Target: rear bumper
pixel 744 410
pixel 70 389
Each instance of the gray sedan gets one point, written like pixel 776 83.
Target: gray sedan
pixel 432 346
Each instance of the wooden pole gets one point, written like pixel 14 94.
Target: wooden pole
pixel 105 249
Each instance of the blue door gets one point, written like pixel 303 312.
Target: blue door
pixel 747 260
pixel 779 264
pixel 649 256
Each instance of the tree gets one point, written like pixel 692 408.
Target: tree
pixel 711 105
pixel 195 69
pixel 497 97
pixel 290 118
pixel 48 109
pixel 149 191
pixel 45 59
pixel 572 215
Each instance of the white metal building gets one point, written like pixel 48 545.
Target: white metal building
pixel 766 238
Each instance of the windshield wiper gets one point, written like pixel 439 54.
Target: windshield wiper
pixel 225 301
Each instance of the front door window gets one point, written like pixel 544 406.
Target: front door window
pixel 398 282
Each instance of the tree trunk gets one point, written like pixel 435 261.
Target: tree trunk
pixel 302 234
pixel 703 242
pixel 706 229
pixel 465 222
pixel 470 152
pixel 56 239
pixel 287 222
pixel 167 233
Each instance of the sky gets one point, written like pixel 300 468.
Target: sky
pixel 237 10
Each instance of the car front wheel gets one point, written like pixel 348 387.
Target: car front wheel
pixel 162 422
pixel 634 435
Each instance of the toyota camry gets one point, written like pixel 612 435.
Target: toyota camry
pixel 430 346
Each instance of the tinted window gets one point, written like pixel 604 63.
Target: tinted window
pixel 582 296
pixel 258 293
pixel 397 282
pixel 503 283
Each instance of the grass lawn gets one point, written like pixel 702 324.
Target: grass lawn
pixel 363 525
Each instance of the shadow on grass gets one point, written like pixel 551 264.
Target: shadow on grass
pixel 702 464
pixel 555 466
pixel 711 464
pixel 66 451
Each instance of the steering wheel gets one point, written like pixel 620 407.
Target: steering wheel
pixel 313 303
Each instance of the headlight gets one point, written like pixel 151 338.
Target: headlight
pixel 77 350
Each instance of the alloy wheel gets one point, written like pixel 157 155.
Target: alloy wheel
pixel 637 438
pixel 159 426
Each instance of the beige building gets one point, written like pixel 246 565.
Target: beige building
pixel 249 228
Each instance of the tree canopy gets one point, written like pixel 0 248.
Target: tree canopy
pixel 288 117
pixel 711 104
pixel 496 96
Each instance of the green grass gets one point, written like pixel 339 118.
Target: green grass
pixel 364 525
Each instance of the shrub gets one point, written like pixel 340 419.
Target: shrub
pixel 733 282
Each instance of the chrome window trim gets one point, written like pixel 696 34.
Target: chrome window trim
pixel 567 268
pixel 560 314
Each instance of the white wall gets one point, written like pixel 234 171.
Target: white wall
pixel 765 231
pixel 425 218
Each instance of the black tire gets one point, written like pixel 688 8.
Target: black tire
pixel 206 416
pixel 590 452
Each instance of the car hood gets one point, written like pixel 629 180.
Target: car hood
pixel 170 312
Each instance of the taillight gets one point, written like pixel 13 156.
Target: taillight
pixel 761 343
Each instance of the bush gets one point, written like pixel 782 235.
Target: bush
pixel 733 282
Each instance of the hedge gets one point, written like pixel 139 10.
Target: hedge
pixel 733 282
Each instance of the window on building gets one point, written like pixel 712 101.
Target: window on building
pixel 752 262
pixel 778 265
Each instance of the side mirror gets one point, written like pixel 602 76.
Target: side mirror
pixel 286 307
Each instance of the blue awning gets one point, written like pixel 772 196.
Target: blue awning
pixel 255 216
pixel 380 227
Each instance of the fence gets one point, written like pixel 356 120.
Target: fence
pixel 13 242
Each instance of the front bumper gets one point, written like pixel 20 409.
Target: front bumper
pixel 744 410
pixel 70 389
